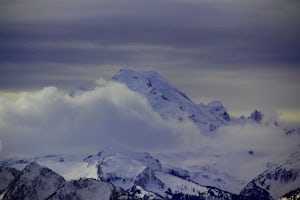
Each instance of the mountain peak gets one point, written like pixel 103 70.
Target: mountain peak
pixel 32 166
pixel 169 102
pixel 142 81
pixel 34 182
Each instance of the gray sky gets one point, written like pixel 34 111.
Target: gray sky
pixel 244 53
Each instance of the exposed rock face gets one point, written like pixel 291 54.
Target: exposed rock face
pixel 252 191
pixel 34 183
pixel 218 109
pixel 7 175
pixel 40 183
pixel 279 179
pixel 256 116
pixel 85 189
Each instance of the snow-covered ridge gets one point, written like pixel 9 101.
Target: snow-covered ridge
pixel 280 178
pixel 172 103
pixel 136 180
pixel 139 174
pixel 36 182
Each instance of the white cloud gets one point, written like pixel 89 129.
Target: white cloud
pixel 267 140
pixel 252 147
pixel 50 120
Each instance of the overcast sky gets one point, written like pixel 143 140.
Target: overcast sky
pixel 244 53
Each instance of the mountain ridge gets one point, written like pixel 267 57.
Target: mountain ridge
pixel 204 173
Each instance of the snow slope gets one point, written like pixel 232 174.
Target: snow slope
pixel 172 103
pixel 120 170
pixel 69 166
pixel 281 178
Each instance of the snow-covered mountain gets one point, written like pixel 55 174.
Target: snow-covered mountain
pixel 132 174
pixel 172 103
pixel 279 179
pixel 120 177
pixel 34 182
pixel 223 166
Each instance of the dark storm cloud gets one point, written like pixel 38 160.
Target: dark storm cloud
pixel 65 43
pixel 195 30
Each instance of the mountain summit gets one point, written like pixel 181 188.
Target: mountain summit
pixel 172 103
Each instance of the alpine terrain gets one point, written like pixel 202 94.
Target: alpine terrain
pixel 244 158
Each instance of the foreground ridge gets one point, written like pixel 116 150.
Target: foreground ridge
pixel 36 182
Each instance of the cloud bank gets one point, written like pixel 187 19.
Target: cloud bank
pixel 49 121
pixel 261 140
pixel 109 114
